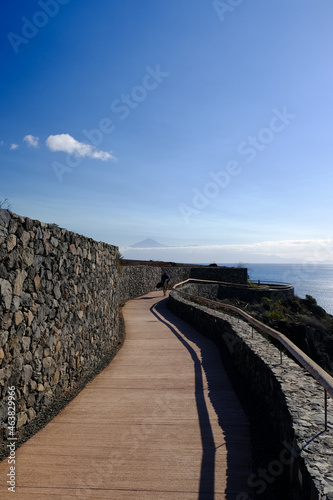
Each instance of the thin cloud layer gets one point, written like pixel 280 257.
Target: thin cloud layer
pixel 311 250
pixel 31 141
pixel 67 144
pixel 14 146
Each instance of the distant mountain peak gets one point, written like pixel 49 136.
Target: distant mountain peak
pixel 148 243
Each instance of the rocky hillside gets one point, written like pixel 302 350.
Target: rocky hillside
pixel 303 321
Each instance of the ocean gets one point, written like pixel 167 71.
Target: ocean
pixel 308 279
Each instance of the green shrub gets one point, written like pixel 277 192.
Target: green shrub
pixel 311 299
pixel 266 303
pixel 276 315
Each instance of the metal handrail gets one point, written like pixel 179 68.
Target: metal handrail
pixel 324 379
pixel 262 282
pixel 248 284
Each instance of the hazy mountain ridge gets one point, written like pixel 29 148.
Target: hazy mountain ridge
pixel 148 243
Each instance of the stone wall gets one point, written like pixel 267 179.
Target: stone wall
pixel 227 274
pixel 291 399
pixel 58 311
pixel 206 290
pixel 248 293
pixel 140 279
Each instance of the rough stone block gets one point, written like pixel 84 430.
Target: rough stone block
pixel 27 374
pixel 39 233
pixel 37 282
pixel 56 378
pixel 26 341
pixel 6 321
pixel 54 242
pixel 3 271
pixel 21 419
pixel 28 255
pixel 72 249
pixel 6 292
pixel 4 217
pixel 57 291
pixel 33 385
pixel 29 318
pixel 48 366
pixel 38 261
pixel 11 242
pixel 25 238
pixel 18 318
pixel 18 282
pixel 31 414
pixel 26 299
pixel 3 338
pixel 16 303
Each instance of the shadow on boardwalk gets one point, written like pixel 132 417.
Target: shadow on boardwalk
pixel 230 420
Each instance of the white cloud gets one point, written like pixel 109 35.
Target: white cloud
pixel 31 141
pixel 14 146
pixel 67 144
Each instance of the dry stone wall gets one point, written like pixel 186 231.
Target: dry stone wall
pixel 58 311
pixel 252 294
pixel 227 274
pixel 240 291
pixel 140 279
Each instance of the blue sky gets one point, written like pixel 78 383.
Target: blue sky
pixel 206 126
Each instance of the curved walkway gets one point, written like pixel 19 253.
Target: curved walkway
pixel 161 422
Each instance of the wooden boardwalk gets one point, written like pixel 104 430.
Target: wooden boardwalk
pixel 161 422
